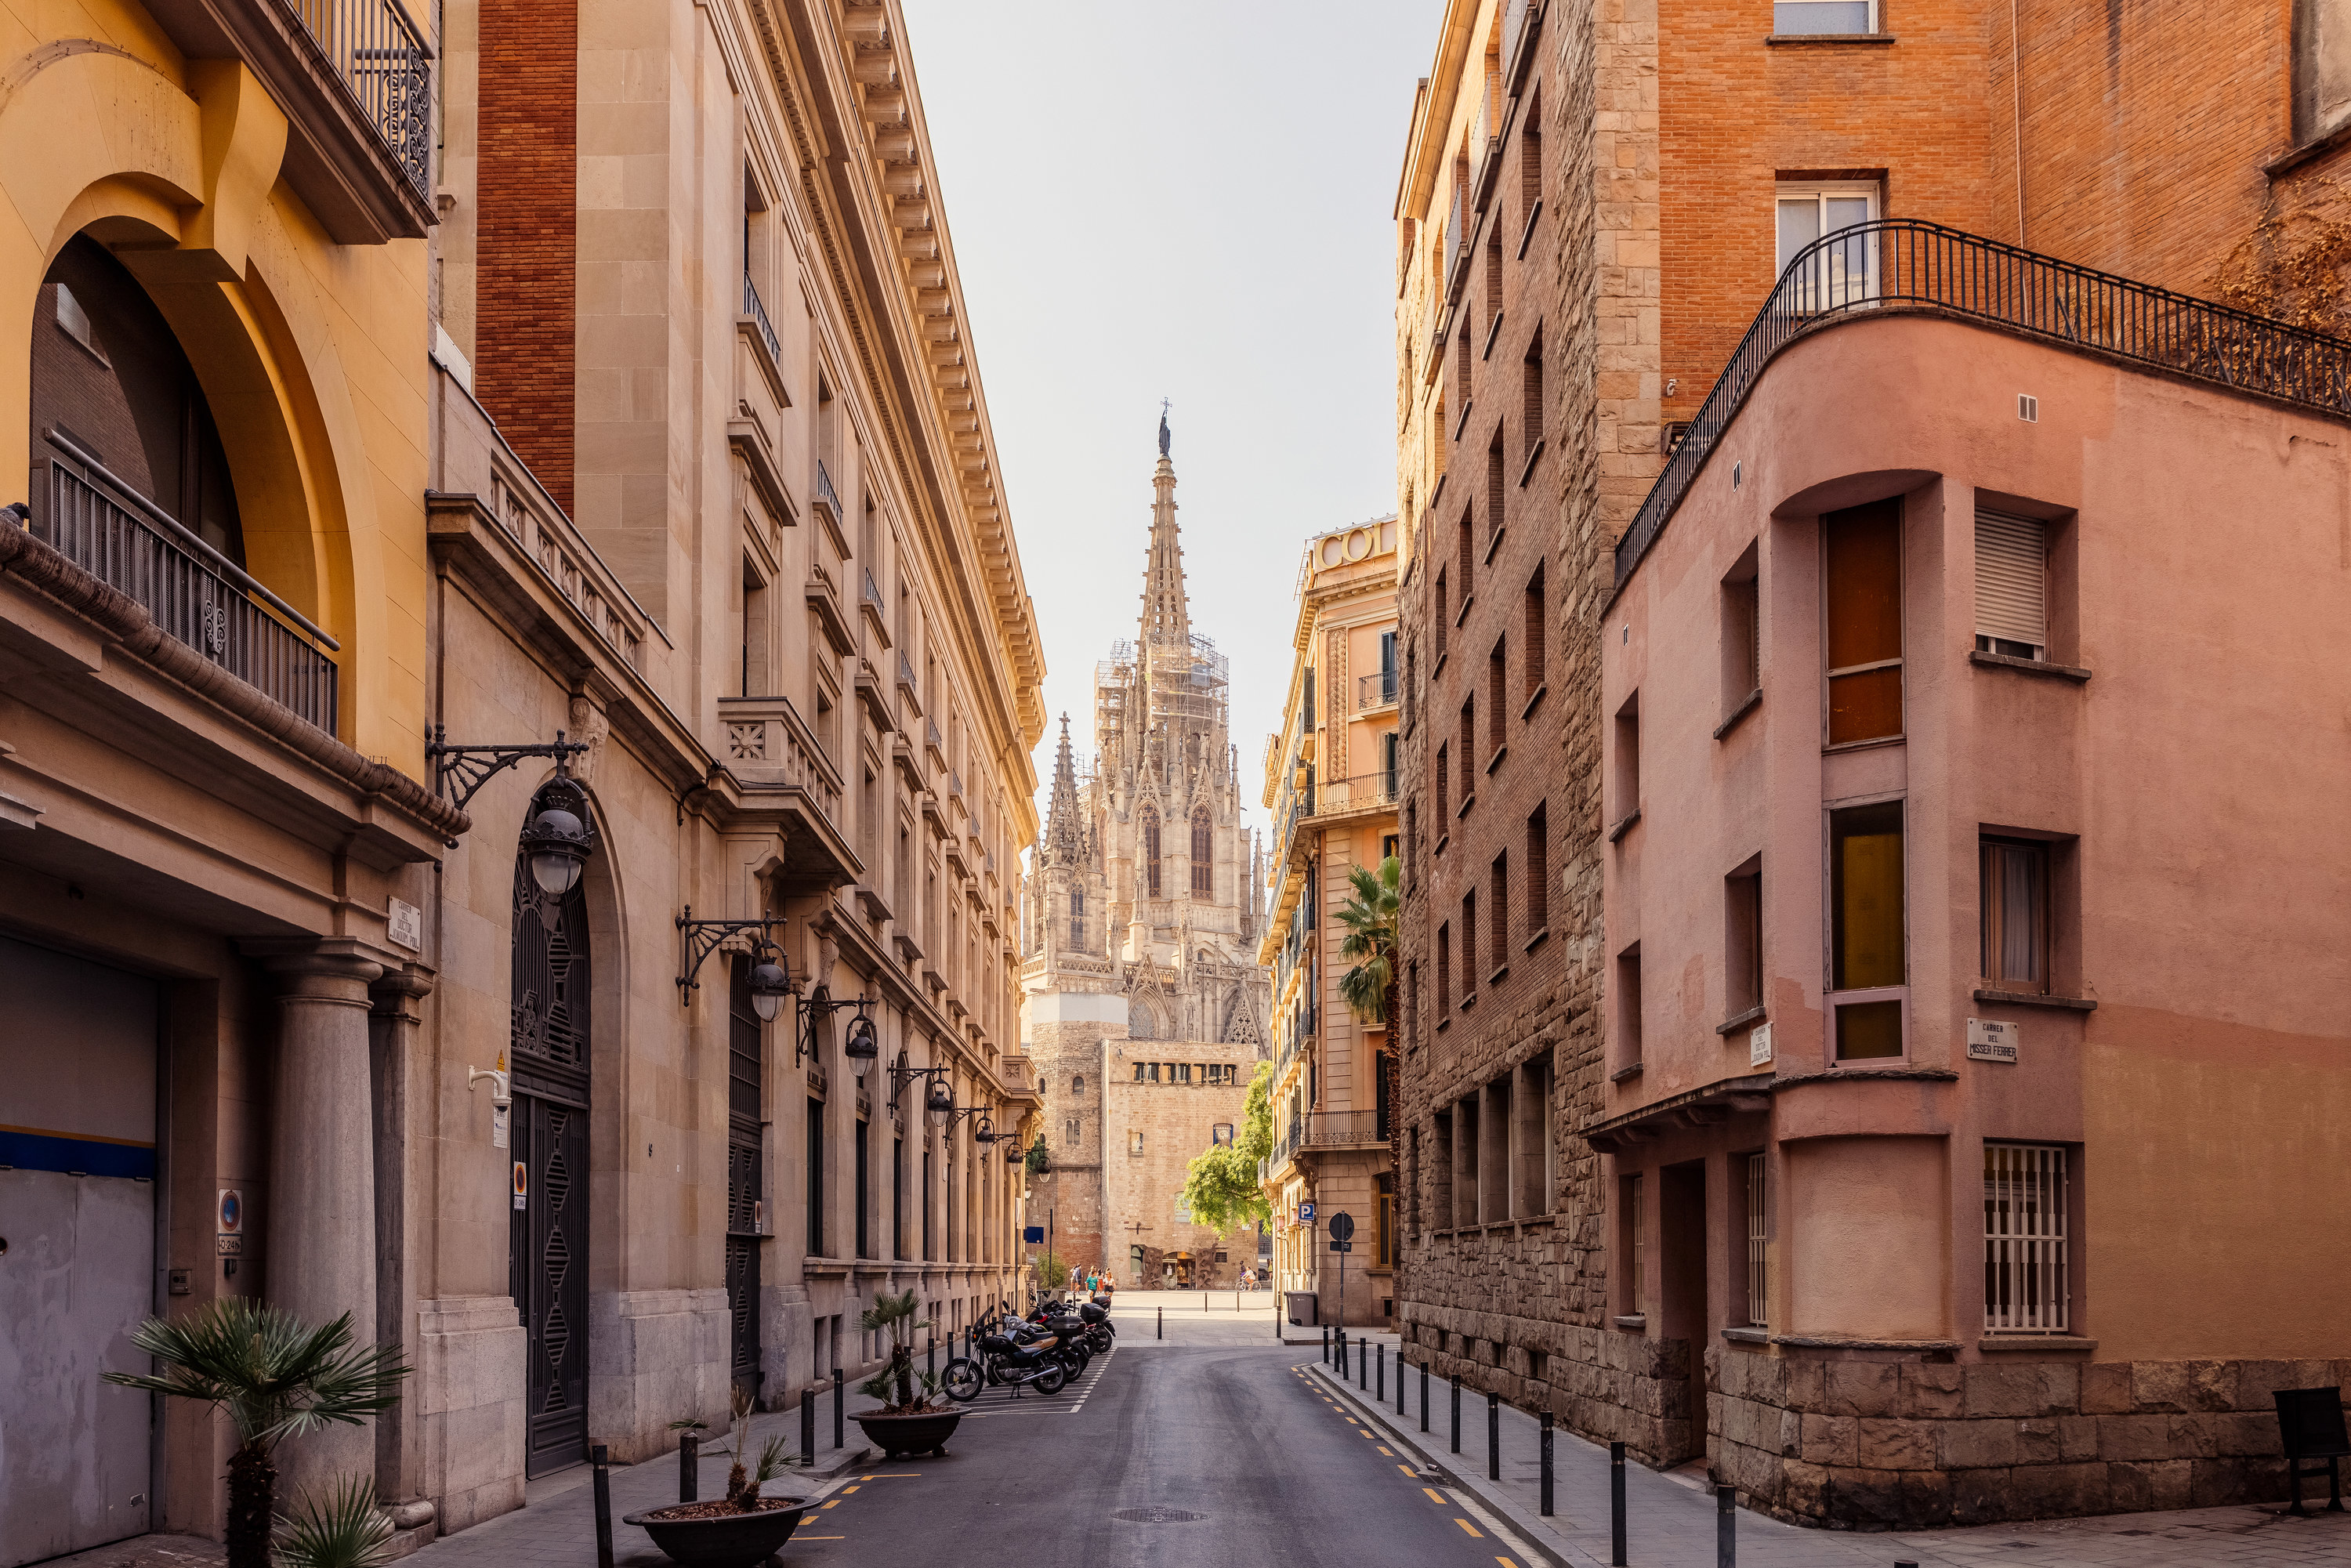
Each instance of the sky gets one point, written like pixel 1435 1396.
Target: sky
pixel 1193 201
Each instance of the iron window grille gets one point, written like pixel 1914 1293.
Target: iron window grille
pixel 2027 1288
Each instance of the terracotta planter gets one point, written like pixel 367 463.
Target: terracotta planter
pixel 725 1540
pixel 901 1435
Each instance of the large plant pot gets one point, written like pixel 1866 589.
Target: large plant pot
pixel 732 1540
pixel 897 1436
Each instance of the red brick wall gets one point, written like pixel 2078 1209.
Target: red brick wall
pixel 1735 114
pixel 528 228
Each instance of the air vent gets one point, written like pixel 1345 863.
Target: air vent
pixel 2028 408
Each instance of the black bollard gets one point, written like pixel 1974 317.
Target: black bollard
pixel 1326 1344
pixel 840 1417
pixel 1726 1527
pixel 603 1509
pixel 808 1425
pixel 1381 1392
pixel 1399 1380
pixel 1493 1437
pixel 689 1468
pixel 1457 1415
pixel 1546 1464
pixel 931 1349
pixel 1423 1396
pixel 1161 1332
pixel 1363 1362
pixel 1615 1505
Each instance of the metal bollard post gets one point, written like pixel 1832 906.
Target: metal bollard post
pixel 1161 1331
pixel 1363 1362
pixel 931 1348
pixel 603 1509
pixel 1615 1505
pixel 808 1425
pixel 1546 1464
pixel 1381 1392
pixel 1399 1380
pixel 1326 1344
pixel 1493 1437
pixel 1726 1527
pixel 1457 1415
pixel 840 1417
pixel 1423 1396
pixel 689 1468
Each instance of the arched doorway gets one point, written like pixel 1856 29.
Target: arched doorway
pixel 547 1258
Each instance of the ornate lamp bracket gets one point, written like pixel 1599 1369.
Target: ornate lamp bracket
pixel 698 939
pixel 460 771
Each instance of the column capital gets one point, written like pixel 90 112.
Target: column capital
pixel 319 969
pixel 399 992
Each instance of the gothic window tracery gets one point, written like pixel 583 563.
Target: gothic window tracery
pixel 1204 855
pixel 1150 850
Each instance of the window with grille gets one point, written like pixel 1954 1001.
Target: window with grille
pixel 1758 1225
pixel 2012 586
pixel 2026 1288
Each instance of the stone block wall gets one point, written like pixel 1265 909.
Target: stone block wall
pixel 1865 1441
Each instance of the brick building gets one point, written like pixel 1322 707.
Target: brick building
pixel 1141 919
pixel 1330 783
pixel 1681 169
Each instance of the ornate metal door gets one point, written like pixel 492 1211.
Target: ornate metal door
pixel 547 1255
pixel 746 1212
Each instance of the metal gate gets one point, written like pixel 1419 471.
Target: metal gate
pixel 547 1268
pixel 745 1213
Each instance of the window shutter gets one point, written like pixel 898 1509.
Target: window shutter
pixel 2011 578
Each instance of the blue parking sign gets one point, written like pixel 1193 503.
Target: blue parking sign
pixel 1305 1214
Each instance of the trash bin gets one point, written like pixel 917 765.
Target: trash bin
pixel 1304 1306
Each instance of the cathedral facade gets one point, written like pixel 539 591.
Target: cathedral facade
pixel 1144 1007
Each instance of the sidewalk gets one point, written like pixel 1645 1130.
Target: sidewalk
pixel 1671 1517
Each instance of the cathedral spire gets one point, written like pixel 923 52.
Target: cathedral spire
pixel 1061 836
pixel 1166 611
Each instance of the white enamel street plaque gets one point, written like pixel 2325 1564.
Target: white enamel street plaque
pixel 1990 1039
pixel 1759 1046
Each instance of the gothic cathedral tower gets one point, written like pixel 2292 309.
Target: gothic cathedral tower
pixel 1142 915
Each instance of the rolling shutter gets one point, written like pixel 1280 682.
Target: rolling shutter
pixel 2011 578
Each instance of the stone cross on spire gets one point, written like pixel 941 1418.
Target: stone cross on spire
pixel 1166 611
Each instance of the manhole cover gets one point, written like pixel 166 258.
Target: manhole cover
pixel 1157 1515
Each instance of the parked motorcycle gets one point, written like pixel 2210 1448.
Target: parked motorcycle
pixel 1019 1359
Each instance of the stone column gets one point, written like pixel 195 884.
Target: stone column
pixel 322 1217
pixel 398 1008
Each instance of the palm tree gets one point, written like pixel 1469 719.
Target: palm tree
pixel 278 1378
pixel 1373 917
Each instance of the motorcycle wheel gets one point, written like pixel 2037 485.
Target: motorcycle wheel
pixel 963 1380
pixel 1050 1380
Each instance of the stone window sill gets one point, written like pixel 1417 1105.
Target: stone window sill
pixel 1778 40
pixel 1626 1074
pixel 1527 712
pixel 1498 975
pixel 2042 667
pixel 1542 936
pixel 1535 456
pixel 1466 801
pixel 2038 1000
pixel 1632 1322
pixel 1496 760
pixel 1624 827
pixel 1493 543
pixel 1747 705
pixel 1741 1021
pixel 1748 1336
pixel 2043 1342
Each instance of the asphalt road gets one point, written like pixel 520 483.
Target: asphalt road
pixel 1166 1457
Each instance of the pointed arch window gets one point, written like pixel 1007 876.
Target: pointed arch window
pixel 1150 850
pixel 1204 855
pixel 1078 917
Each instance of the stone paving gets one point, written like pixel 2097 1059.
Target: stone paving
pixel 1672 1516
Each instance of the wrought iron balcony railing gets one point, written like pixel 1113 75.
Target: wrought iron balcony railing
pixel 1904 265
pixel 758 311
pixel 1375 690
pixel 196 595
pixel 381 57
pixel 826 496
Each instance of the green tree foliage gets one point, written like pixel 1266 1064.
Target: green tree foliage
pixel 1373 918
pixel 1220 1185
pixel 275 1377
pixel 1051 1272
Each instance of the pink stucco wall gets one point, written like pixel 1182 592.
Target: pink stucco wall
pixel 2202 574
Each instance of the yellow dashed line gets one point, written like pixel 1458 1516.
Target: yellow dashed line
pixel 1434 1495
pixel 896 1476
pixel 1389 1452
pixel 1506 1562
pixel 1470 1528
pixel 846 1490
pixel 834 1503
pixel 1406 1468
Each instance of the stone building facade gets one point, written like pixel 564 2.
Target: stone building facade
pixel 1142 911
pixel 286 541
pixel 1681 164
pixel 1331 782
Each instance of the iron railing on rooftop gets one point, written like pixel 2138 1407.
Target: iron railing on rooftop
pixel 196 595
pixel 377 54
pixel 1897 263
pixel 755 309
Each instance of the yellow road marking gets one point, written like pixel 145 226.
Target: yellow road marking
pixel 834 1503
pixel 819 1538
pixel 1506 1562
pixel 896 1476
pixel 1470 1528
pixel 1406 1468
pixel 1390 1452
pixel 1434 1495
pixel 846 1490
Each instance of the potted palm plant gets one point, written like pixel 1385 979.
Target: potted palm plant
pixel 737 1531
pixel 277 1377
pixel 915 1417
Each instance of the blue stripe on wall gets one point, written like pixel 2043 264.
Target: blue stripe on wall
pixel 39 1152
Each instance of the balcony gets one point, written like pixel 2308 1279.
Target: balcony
pixel 1906 265
pixel 1375 690
pixel 196 595
pixel 1339 1130
pixel 877 611
pixel 758 311
pixel 828 505
pixel 769 746
pixel 910 692
pixel 1521 24
pixel 1486 142
pixel 824 597
pixel 355 77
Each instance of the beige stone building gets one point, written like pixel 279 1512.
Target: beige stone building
pixel 332 532
pixel 1141 920
pixel 1331 784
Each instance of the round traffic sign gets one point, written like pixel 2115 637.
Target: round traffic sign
pixel 1342 1227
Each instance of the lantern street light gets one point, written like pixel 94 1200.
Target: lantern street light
pixel 817 1012
pixel 771 982
pixel 940 1107
pixel 862 1047
pixel 770 978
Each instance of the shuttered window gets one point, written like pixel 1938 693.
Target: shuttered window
pixel 2011 585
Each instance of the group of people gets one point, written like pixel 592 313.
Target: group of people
pixel 1097 1282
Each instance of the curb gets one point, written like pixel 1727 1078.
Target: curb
pixel 1538 1537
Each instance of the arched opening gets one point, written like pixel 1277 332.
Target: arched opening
pixel 1204 855
pixel 130 478
pixel 547 1258
pixel 1150 850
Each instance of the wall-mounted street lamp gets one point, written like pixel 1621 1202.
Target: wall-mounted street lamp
pixel 861 1048
pixel 983 1128
pixel 460 771
pixel 771 977
pixel 938 1104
